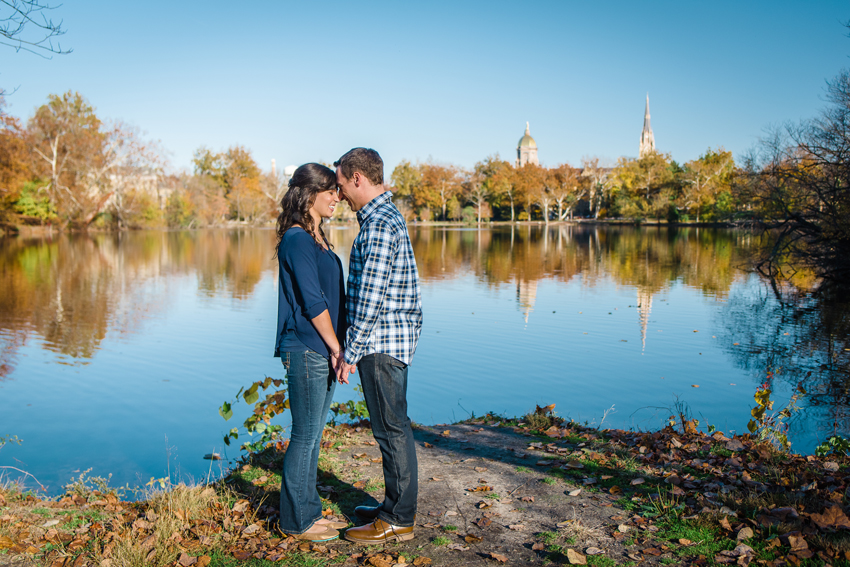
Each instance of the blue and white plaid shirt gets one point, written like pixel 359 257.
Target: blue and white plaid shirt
pixel 384 302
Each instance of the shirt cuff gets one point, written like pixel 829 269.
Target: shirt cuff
pixel 316 309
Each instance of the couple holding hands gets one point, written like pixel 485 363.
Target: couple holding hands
pixel 324 334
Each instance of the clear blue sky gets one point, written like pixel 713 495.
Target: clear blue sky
pixel 452 81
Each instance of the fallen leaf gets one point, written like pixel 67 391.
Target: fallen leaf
pixel 498 557
pixel 516 527
pixel 686 542
pixel 187 560
pixel 457 547
pixel 422 560
pixel 434 478
pixel 427 445
pixel 446 433
pixel 593 551
pixel 480 488
pixel 694 385
pixel 575 492
pixel 483 522
pixel 636 481
pixel 203 561
pixel 481 469
pixel 615 490
pixel 831 518
pixel 576 558
pixel 744 533
pixel 472 539
pixel 623 528
pixel 527 498
pixel 724 523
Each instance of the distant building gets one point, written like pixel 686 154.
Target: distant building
pixel 526 151
pixel 647 140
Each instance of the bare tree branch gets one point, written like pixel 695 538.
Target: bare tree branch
pixel 24 26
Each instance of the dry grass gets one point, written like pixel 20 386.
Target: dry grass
pixel 579 532
pixel 170 512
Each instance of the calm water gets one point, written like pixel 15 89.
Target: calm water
pixel 116 350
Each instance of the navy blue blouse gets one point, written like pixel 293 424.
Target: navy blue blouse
pixel 309 281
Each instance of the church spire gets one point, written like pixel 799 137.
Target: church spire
pixel 647 140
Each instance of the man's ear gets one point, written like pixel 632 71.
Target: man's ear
pixel 355 177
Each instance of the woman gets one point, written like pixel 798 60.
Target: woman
pixel 310 331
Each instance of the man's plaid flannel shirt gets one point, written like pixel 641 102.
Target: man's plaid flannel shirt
pixel 383 300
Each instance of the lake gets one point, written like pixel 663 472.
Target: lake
pixel 116 350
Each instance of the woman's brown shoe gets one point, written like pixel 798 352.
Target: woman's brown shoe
pixel 327 534
pixel 332 524
pixel 378 532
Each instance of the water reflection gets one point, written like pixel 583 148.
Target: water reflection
pixel 71 290
pixel 806 342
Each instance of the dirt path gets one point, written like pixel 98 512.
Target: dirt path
pixel 457 463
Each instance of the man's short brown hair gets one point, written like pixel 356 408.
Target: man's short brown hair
pixel 364 160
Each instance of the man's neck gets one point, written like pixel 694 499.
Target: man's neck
pixel 370 194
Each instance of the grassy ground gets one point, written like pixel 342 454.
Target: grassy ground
pixel 575 494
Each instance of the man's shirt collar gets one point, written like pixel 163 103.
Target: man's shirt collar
pixel 372 206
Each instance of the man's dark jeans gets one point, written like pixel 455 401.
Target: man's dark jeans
pixel 384 381
pixel 310 382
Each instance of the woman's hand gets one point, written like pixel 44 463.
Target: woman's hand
pixel 339 365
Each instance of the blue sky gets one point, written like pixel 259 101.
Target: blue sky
pixel 449 81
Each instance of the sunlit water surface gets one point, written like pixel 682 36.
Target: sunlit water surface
pixel 117 350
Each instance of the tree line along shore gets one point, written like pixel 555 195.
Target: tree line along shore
pixel 68 168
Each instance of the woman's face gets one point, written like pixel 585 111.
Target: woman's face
pixel 325 203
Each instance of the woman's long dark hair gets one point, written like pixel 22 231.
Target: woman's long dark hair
pixel 306 182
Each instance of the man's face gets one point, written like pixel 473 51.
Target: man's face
pixel 346 188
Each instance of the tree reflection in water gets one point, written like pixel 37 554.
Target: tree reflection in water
pixel 70 291
pixel 798 339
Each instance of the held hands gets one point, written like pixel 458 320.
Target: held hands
pixel 341 368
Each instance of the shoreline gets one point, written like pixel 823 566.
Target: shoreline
pixel 532 490
pixel 43 231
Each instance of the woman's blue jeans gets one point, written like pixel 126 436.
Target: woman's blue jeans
pixel 311 382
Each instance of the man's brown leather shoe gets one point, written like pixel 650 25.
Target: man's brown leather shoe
pixel 368 512
pixel 378 532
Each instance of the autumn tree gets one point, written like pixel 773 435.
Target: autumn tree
pixel 439 184
pixel 240 179
pixel 83 161
pixel 479 187
pixel 532 188
pixel 705 179
pixel 567 189
pixel 503 184
pixel 643 185
pixel 13 163
pixel 407 181
pixel 598 182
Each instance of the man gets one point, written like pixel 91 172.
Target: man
pixel 384 306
